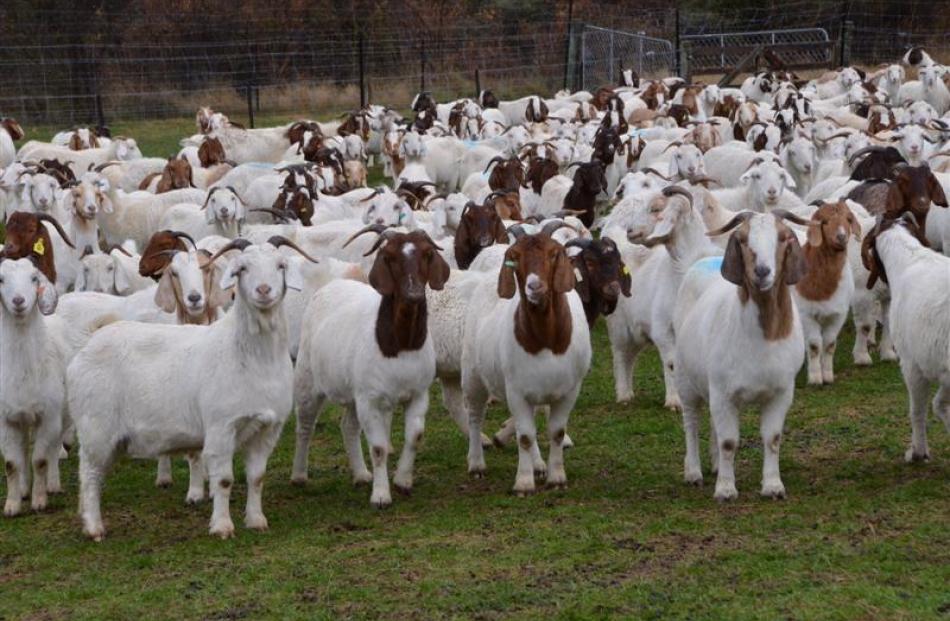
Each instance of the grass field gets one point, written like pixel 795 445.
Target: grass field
pixel 862 535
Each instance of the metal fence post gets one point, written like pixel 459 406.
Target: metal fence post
pixel 610 58
pixel 422 65
pixel 684 60
pixel 676 40
pixel 570 40
pixel 581 63
pixel 362 54
pixel 100 115
pixel 250 108
pixel 478 84
pixel 847 34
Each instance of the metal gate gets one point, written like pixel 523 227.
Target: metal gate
pixel 798 48
pixel 605 51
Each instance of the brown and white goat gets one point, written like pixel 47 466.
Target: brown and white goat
pixel 28 237
pixel 480 226
pixel 600 276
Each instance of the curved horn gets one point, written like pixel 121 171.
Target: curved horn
pixel 497 158
pixel 700 180
pixel 379 190
pixel 57 226
pixel 670 190
pixel 863 151
pixel 517 231
pixel 208 197
pixel 675 143
pixel 180 235
pixel 549 228
pixel 739 218
pixel 286 216
pixel 579 242
pixel 279 240
pixel 654 171
pixel 371 228
pixel 234 244
pixel 784 214
pixel 120 249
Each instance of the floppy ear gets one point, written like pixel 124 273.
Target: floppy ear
pixel 501 233
pixel 438 271
pixel 120 278
pixel 80 283
pixel 733 266
pixel 46 296
pixel 795 267
pixel 625 280
pixel 210 215
pixel 232 273
pixel 581 277
pixel 439 220
pixel 789 182
pixel 106 201
pixel 563 273
pixel 293 275
pixel 814 233
pixel 165 294
pixel 217 297
pixel 675 210
pixel 937 196
pixel 380 278
pixel 746 177
pixel 506 277
pixel 463 245
pixel 674 168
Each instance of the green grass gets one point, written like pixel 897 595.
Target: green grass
pixel 861 536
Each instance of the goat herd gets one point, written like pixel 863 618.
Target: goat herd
pixel 186 306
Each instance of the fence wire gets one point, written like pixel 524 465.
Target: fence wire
pixel 68 66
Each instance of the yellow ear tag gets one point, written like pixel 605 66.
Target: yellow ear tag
pixel 39 248
pixel 626 270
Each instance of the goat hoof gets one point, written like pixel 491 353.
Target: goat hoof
pixel 223 529
pixel 299 480
pixel 889 355
pixel 497 442
pixel 568 443
pixel 694 478
pixel 12 508
pixel 863 360
pixel 163 484
pixel 726 494
pixel 363 478
pixel 381 503
pixel 192 500
pixel 525 493
pixel 405 490
pixel 487 442
pixel 912 456
pixel 775 491
pixel 258 523
pixel 96 534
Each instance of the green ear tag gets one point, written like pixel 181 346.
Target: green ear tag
pixel 510 263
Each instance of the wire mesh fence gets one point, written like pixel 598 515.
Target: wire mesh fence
pixel 149 62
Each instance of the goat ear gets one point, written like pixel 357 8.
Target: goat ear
pixel 563 273
pixel 165 294
pixel 439 220
pixel 789 182
pixel 217 297
pixel 733 265
pixel 80 283
pixel 581 277
pixel 626 280
pixel 380 278
pixel 210 215
pixel 438 271
pixel 231 274
pixel 293 275
pixel 795 267
pixel 106 202
pixel 463 245
pixel 120 279
pixel 501 233
pixel 814 233
pixel 506 277
pixel 746 177
pixel 46 296
pixel 937 195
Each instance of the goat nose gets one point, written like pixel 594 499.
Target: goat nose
pixel 762 271
pixel 194 297
pixel 18 301
pixel 263 289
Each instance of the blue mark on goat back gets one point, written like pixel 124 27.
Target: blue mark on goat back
pixel 709 265
pixel 470 144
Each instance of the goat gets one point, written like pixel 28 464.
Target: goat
pixel 393 363
pixel 530 349
pixel 27 237
pixel 739 342
pixel 479 227
pixel 600 276
pixel 232 379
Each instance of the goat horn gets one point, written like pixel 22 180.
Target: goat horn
pixel 517 231
pixel 670 190
pixel 784 214
pixel 675 143
pixel 180 235
pixel 497 158
pixel 234 244
pixel 699 180
pixel 739 218
pixel 279 240
pixel 579 242
pixel 563 213
pixel 57 226
pixel 549 228
pixel 371 228
pixel 278 214
pixel 375 193
pixel 863 151
pixel 654 171
pixel 208 197
pixel 120 249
